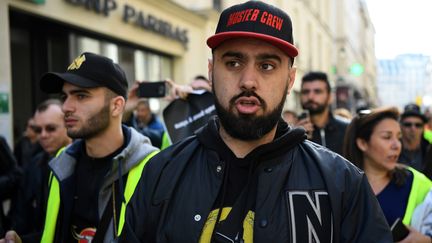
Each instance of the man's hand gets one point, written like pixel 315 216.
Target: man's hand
pixel 415 237
pixel 178 90
pixel 11 237
pixel 307 125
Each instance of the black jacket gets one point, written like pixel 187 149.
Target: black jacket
pixel 32 197
pixel 332 135
pixel 425 165
pixel 304 191
pixel 10 176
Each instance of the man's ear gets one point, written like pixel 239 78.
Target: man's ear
pixel 291 78
pixel 210 70
pixel 330 99
pixel 117 105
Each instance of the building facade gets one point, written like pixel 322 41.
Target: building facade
pixel 405 79
pixel 154 40
pixel 151 40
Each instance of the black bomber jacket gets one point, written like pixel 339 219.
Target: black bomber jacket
pixel 306 193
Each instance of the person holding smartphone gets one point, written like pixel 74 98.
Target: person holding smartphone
pixel 372 143
pixel 138 113
pixel 323 127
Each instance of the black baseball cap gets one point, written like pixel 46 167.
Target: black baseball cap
pixel 89 70
pixel 255 19
pixel 413 110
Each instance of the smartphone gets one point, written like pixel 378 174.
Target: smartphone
pixel 399 230
pixel 152 89
pixel 304 115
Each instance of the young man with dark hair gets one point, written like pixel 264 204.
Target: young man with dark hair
pixel 323 127
pixel 93 177
pixel 247 176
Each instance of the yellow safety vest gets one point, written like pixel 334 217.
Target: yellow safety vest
pixel 420 187
pixel 427 134
pixel 53 205
pixel 166 142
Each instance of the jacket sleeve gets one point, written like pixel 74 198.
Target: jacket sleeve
pixel 139 221
pixel 363 219
pixel 10 174
pixel 148 205
pixel 422 216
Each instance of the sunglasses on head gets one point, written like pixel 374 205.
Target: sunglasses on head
pixel 48 129
pixel 410 124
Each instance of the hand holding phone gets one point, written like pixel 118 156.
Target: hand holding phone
pixel 152 89
pixel 304 115
pixel 399 230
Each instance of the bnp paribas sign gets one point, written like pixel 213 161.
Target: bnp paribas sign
pixel 132 15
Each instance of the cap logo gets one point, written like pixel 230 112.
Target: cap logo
pixel 254 15
pixel 76 64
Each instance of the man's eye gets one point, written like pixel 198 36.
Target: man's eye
pixel 81 96
pixel 233 64
pixel 63 97
pixel 267 66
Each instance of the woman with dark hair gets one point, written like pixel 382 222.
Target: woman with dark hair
pixel 372 143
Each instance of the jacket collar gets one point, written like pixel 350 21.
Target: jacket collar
pixel 137 148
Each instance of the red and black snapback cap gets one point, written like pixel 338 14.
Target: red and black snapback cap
pixel 255 19
pixel 89 70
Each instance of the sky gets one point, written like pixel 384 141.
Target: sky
pixel 401 26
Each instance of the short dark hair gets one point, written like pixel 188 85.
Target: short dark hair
pixel 201 77
pixel 45 104
pixel 316 75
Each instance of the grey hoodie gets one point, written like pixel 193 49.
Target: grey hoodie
pixel 63 167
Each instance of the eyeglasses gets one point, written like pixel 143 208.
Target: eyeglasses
pixel 411 124
pixel 48 129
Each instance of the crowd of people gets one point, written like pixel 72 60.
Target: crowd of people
pixel 97 164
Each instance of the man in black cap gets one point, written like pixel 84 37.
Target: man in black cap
pixel 414 146
pixel 247 176
pixel 93 177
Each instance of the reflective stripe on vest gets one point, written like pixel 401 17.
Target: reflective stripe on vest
pixel 428 135
pixel 133 177
pixel 53 205
pixel 166 141
pixel 52 211
pixel 421 185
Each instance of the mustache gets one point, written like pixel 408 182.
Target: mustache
pixel 247 93
pixel 310 103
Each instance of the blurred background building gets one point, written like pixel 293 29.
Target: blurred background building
pixel 405 79
pixel 153 40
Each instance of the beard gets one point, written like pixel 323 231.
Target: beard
pixel 314 110
pixel 94 126
pixel 244 126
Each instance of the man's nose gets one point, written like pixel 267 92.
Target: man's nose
pixel 249 78
pixel 67 106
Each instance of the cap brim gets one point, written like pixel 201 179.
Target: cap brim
pixel 416 114
pixel 215 40
pixel 53 82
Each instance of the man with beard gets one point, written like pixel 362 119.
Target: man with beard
pixel 247 176
pixel 323 128
pixel 93 177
